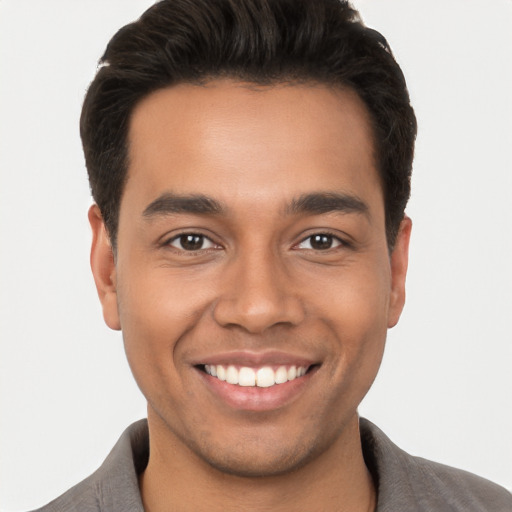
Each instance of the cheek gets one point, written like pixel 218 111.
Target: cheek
pixel 158 302
pixel 354 306
pixel 354 299
pixel 154 320
pixel 155 315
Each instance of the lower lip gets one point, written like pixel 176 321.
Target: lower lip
pixel 253 398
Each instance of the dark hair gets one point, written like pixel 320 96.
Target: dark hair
pixel 260 41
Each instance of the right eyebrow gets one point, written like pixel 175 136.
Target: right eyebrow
pixel 169 203
pixel 318 203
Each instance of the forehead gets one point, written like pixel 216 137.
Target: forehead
pixel 240 141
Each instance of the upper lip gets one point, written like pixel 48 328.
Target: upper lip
pixel 255 359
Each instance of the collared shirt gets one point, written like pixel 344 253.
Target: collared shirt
pixel 404 483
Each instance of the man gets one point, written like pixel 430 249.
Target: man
pixel 250 163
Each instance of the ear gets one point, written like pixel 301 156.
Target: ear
pixel 399 260
pixel 104 268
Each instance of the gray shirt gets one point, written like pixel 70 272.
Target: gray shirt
pixel 404 483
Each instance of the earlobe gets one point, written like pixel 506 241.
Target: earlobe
pixel 399 260
pixel 103 268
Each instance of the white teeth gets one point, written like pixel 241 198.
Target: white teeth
pixel 246 377
pixel 265 377
pixel 281 375
pixel 232 375
pixel 292 372
pixel 249 377
pixel 221 372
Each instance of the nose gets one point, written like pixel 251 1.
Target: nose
pixel 257 294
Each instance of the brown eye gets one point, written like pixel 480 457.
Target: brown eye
pixel 191 242
pixel 320 242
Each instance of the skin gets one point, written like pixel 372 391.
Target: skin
pixel 257 284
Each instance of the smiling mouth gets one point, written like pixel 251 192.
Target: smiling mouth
pixel 263 377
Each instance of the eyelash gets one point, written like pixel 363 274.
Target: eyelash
pixel 190 234
pixel 334 239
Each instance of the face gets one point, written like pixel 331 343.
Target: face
pixel 252 281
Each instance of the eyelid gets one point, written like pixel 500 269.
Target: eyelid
pixel 338 241
pixel 169 241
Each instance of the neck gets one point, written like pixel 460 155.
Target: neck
pixel 177 479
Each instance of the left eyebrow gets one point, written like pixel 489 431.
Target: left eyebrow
pixel 169 203
pixel 318 203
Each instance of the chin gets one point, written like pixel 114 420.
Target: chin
pixel 260 458
pixel 247 466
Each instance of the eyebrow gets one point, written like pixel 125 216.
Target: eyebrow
pixel 318 203
pixel 170 203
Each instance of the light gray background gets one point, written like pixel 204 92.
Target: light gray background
pixel 444 391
